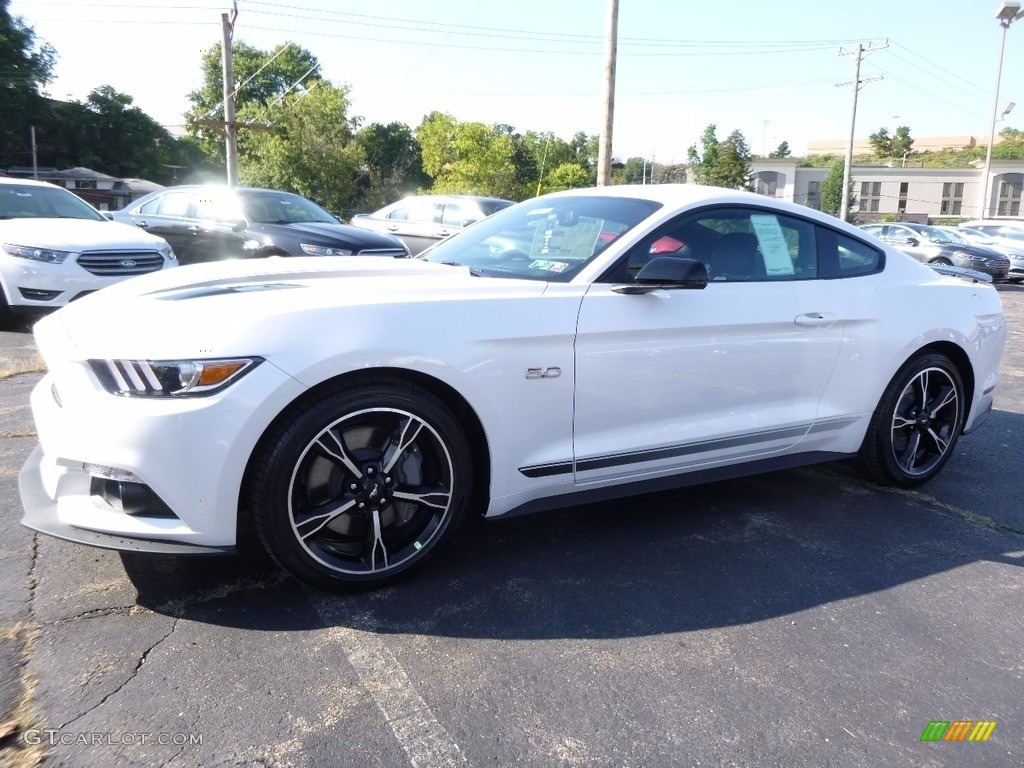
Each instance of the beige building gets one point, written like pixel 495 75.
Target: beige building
pixel 913 193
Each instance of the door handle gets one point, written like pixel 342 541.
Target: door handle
pixel 141 224
pixel 814 320
pixel 195 229
pixel 443 233
pixel 392 227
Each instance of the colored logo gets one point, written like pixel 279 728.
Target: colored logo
pixel 958 730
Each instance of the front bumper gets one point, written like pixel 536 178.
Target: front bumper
pixel 190 453
pixel 41 514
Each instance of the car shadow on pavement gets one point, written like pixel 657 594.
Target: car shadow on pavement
pixel 705 557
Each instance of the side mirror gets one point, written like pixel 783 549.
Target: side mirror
pixel 667 272
pixel 913 241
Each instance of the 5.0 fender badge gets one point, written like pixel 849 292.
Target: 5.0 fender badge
pixel 543 373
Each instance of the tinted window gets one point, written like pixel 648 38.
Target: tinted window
pixel 856 258
pixel 735 244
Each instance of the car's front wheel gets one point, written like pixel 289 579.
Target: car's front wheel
pixel 917 422
pixel 361 485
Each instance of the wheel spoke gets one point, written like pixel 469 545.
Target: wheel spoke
pixel 437 498
pixel 923 383
pixel 410 430
pixel 906 459
pixel 312 521
pixel 947 396
pixel 901 422
pixel 332 446
pixel 940 444
pixel 378 543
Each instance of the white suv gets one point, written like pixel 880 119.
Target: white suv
pixel 55 247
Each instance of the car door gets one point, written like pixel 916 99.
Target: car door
pixel 680 379
pixel 415 223
pixel 166 216
pixel 217 225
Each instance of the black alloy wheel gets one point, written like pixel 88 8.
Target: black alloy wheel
pixel 360 486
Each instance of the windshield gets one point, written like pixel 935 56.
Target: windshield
pixel 27 201
pixel 955 237
pixel 547 238
pixel 282 208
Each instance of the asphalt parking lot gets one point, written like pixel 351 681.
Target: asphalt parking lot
pixel 804 618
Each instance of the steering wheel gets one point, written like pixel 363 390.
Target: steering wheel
pixel 515 256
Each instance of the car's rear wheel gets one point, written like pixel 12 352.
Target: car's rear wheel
pixel 917 422
pixel 360 486
pixel 943 261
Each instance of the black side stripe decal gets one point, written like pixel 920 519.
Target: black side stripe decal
pixel 687 449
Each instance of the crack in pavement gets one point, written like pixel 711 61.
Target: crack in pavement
pixel 132 676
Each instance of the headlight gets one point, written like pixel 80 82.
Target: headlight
pixel 47 255
pixel 323 250
pixel 170 378
pixel 167 251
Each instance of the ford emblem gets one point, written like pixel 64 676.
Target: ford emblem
pixel 128 263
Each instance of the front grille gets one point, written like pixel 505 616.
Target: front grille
pixel 121 263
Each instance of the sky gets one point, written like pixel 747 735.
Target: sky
pixel 776 70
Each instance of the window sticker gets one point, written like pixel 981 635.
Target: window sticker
pixel 549 266
pixel 774 249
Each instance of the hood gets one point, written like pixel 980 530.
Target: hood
pixel 77 235
pixel 254 306
pixel 324 233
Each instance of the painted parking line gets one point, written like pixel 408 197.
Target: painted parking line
pixel 421 736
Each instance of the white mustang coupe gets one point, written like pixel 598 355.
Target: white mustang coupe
pixel 579 346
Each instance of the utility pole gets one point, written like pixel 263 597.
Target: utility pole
pixel 604 154
pixel 230 129
pixel 844 206
pixel 35 161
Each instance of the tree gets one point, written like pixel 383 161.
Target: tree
pixel 781 151
pixel 881 142
pixel 309 148
pixel 473 158
pixel 263 78
pixel 721 164
pixel 394 165
pixel 831 192
pixel 25 69
pixel 567 176
pixel 901 142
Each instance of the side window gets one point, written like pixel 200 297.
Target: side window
pixel 422 211
pixel 217 207
pixel 171 204
pixel 855 258
pixel 399 214
pixel 454 216
pixel 735 244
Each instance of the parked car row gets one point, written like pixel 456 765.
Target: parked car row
pixel 993 247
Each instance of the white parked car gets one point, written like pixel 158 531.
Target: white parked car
pixel 55 247
pixel 352 411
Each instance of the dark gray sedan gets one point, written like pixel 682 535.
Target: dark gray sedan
pixel 934 245
pixel 208 223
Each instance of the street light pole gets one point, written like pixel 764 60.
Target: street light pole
pixel 1008 13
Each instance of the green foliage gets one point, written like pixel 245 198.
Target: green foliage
pixel 475 159
pixel 721 164
pixel 832 188
pixel 262 78
pixel 567 176
pixel 898 145
pixel 25 68
pixel 394 166
pixel 309 149
pixel 781 151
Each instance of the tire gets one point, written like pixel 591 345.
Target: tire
pixel 360 486
pixel 914 429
